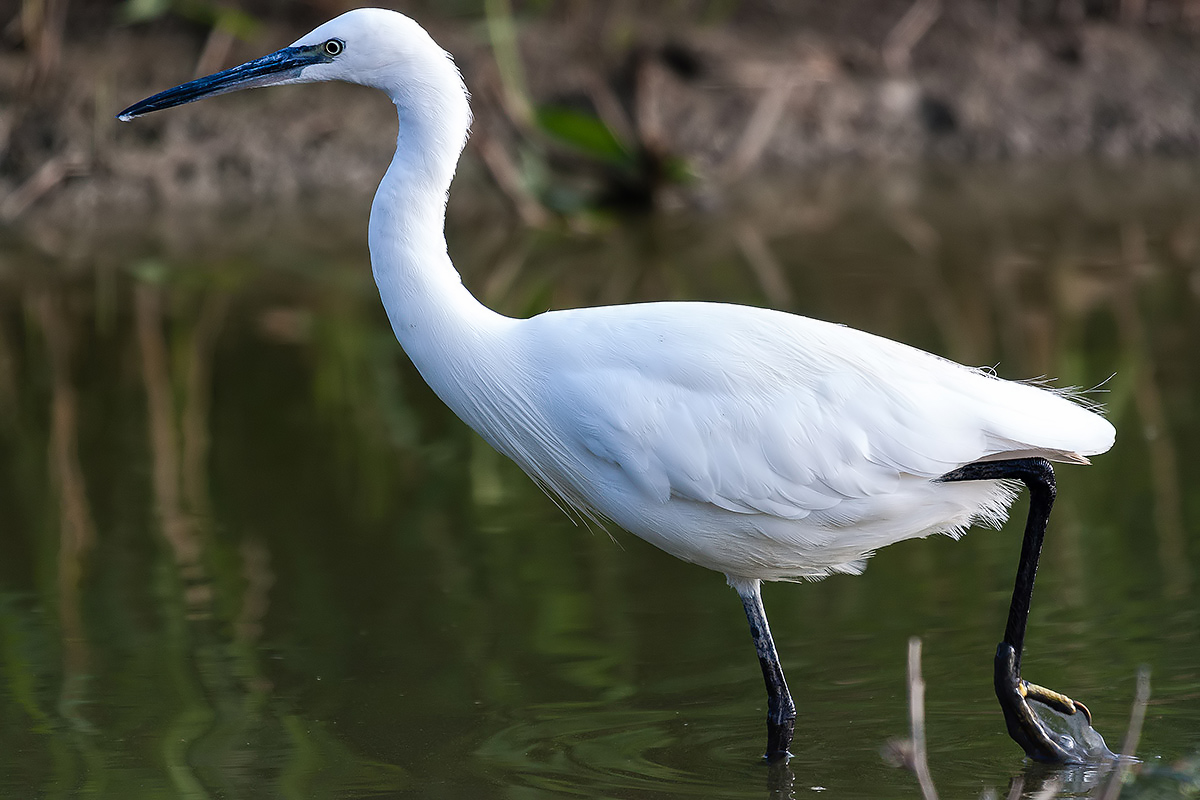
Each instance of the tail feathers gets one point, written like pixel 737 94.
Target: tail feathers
pixel 1051 424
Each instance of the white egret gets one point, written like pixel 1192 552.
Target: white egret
pixel 756 443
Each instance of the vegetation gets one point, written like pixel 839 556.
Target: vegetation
pixel 586 107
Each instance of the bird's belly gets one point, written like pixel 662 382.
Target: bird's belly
pixel 768 547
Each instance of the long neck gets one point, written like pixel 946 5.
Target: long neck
pixel 445 331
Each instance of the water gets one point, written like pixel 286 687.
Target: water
pixel 247 554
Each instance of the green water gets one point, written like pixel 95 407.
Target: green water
pixel 246 553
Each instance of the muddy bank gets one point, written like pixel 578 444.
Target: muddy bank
pixel 745 96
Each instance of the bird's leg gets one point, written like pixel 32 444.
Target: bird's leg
pixel 781 711
pixel 1014 693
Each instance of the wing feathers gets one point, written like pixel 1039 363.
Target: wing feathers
pixel 761 412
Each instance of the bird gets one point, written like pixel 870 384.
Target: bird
pixel 760 444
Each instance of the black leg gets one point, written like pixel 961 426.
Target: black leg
pixel 781 711
pixel 1024 726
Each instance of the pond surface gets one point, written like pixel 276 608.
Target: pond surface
pixel 246 553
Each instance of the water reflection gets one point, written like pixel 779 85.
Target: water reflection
pixel 247 553
pixel 77 531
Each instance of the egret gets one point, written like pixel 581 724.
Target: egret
pixel 759 444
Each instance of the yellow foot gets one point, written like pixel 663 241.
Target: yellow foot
pixel 1078 746
pixel 1055 700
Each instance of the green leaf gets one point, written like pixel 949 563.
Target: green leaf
pixel 237 23
pixel 584 132
pixel 143 10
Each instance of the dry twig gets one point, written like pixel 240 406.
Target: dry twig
pixel 910 753
pixel 215 54
pixel 1136 717
pixel 44 180
pixel 916 22
pixel 916 711
pixel 765 266
pixel 508 177
pixel 1050 790
pixel 762 125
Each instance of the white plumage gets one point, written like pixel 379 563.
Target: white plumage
pixel 753 442
pixel 757 443
pixel 749 441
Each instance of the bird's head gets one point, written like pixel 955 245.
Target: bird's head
pixel 369 46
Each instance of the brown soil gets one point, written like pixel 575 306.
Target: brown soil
pixel 752 94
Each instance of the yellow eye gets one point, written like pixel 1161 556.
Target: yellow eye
pixel 333 47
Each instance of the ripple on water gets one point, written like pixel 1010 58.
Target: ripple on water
pixel 586 748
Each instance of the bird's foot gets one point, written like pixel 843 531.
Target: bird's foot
pixel 1049 726
pixel 1059 702
pixel 779 739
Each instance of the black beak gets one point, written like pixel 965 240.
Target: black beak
pixel 282 66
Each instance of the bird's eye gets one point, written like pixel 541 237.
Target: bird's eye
pixel 333 47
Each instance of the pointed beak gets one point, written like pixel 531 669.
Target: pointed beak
pixel 282 66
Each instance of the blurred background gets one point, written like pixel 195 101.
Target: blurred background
pixel 244 552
